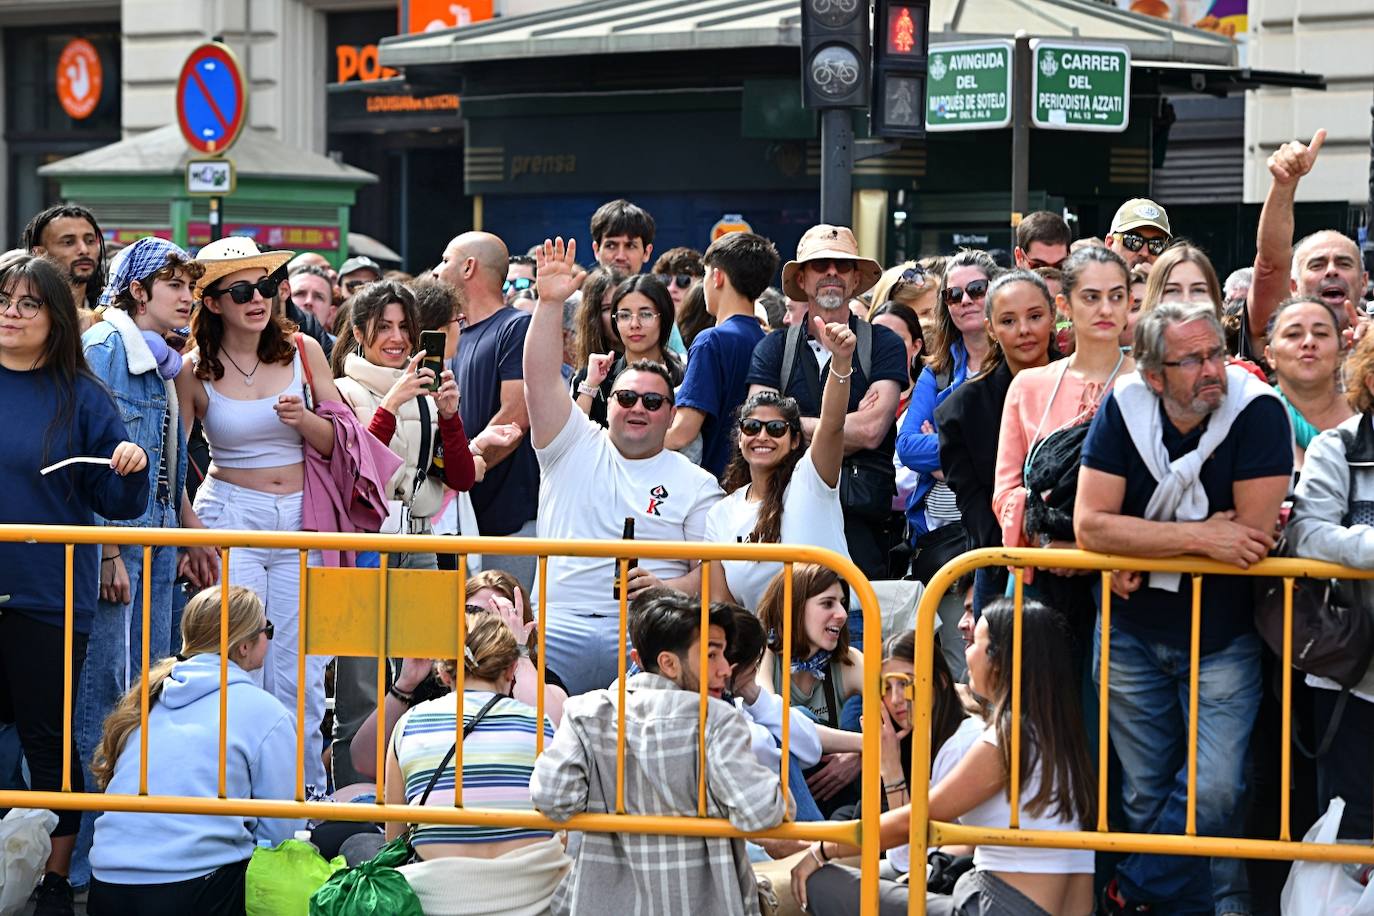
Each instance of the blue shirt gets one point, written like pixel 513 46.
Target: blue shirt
pixel 32 576
pixel 921 451
pixel 1250 450
pixel 716 383
pixel 490 352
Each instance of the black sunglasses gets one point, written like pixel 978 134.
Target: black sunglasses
pixel 684 281
pixel 750 426
pixel 476 609
pixel 914 274
pixel 652 399
pixel 266 629
pixel 976 289
pixel 1134 241
pixel 823 265
pixel 242 291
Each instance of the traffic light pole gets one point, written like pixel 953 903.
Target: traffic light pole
pixel 837 167
pixel 1020 127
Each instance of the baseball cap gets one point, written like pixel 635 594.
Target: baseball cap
pixel 1141 211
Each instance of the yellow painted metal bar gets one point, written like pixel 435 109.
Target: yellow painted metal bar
pixel 1286 741
pixel 870 805
pixel 224 667
pixel 383 660
pixel 1017 611
pixel 302 622
pixel 786 662
pixel 460 682
pixel 540 644
pixel 620 685
pixel 703 681
pixel 68 638
pixel 1103 697
pixel 1194 653
pixel 143 673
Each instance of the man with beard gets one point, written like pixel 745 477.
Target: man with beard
pixel 826 274
pixel 1186 456
pixel 1325 264
pixel 69 235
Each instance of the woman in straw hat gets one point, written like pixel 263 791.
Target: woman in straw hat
pixel 249 391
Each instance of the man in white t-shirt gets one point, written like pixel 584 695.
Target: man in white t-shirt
pixel 592 480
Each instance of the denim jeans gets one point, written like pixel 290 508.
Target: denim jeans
pixel 1149 729
pixel 583 648
pixel 114 657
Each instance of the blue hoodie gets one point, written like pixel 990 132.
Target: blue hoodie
pixel 183 747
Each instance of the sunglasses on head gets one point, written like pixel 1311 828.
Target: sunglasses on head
pixel 242 291
pixel 652 399
pixel 823 265
pixel 914 274
pixel 517 284
pixel 1134 241
pixel 976 289
pixel 266 630
pixel 776 429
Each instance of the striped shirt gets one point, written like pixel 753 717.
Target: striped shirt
pixel 498 759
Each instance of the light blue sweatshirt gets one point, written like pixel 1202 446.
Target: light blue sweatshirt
pixel 183 747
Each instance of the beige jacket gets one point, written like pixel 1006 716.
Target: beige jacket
pixel 362 388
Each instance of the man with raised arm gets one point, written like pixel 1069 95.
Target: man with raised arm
pixel 1325 264
pixel 594 480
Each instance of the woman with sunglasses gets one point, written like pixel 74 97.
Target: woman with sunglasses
pixel 248 389
pixel 164 863
pixel 641 315
pixel 777 490
pixel 53 408
pixel 915 284
pixel 961 350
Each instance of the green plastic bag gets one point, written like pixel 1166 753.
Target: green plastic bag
pixel 374 888
pixel 280 880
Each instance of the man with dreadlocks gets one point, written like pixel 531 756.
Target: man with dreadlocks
pixel 69 234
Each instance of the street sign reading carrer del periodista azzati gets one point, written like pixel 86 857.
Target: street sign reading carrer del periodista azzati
pixel 1080 87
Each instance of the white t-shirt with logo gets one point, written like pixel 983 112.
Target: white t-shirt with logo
pixel 811 514
pixel 586 491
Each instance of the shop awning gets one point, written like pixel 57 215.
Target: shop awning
pixel 671 26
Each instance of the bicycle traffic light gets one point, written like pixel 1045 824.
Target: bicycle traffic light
pixel 835 53
pixel 900 48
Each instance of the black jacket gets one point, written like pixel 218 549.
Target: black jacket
pixel 311 327
pixel 970 421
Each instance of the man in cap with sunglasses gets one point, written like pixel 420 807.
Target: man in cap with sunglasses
pixel 594 480
pixel 828 272
pixel 1140 232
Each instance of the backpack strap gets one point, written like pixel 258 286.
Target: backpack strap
pixel 863 346
pixel 309 388
pixel 789 356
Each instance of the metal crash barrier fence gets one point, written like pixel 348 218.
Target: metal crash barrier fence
pixel 384 612
pixel 925 833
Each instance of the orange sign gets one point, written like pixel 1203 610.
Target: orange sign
pixel 433 15
pixel 730 222
pixel 359 63
pixel 79 78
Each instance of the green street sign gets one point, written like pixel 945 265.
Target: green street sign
pixel 1080 87
pixel 968 85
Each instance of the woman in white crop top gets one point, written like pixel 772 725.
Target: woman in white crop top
pixel 1058 786
pixel 248 391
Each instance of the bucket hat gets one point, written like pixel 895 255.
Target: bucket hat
pixel 826 241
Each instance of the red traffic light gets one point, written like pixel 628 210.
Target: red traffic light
pixel 903 32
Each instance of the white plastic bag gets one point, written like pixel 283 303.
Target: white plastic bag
pixel 24 848
pixel 1324 888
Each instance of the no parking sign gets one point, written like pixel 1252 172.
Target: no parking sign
pixel 212 98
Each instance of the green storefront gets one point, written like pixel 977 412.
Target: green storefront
pixel 283 198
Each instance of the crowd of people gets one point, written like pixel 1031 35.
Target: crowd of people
pixel 1106 393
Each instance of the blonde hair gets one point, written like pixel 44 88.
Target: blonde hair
pixel 504 584
pixel 200 626
pixel 906 293
pixel 489 651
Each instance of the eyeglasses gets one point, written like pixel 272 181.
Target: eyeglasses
pixel 266 629
pixel 976 289
pixel 518 283
pixel 823 265
pixel 652 399
pixel 915 274
pixel 684 281
pixel 1196 360
pixel 751 426
pixel 26 306
pixel 1134 240
pixel 645 316
pixel 242 291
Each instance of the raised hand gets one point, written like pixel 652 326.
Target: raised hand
pixel 598 367
pixel 447 395
pixel 835 337
pixel 1294 159
pixel 556 270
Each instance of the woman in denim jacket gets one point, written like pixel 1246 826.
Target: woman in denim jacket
pixel 148 296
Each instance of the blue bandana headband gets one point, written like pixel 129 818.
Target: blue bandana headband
pixel 815 665
pixel 136 262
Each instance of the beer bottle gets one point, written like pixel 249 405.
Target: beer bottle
pixel 628 535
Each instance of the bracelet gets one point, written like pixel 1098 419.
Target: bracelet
pixel 841 378
pixel 590 391
pixel 819 849
pixel 109 559
pixel 403 696
pixel 899 786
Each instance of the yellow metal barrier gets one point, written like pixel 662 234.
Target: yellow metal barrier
pixel 925 833
pixel 388 612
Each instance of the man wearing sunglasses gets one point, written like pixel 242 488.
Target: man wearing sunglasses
pixel 357 272
pixel 1042 240
pixel 828 272
pixel 519 279
pixel 1140 231
pixel 592 480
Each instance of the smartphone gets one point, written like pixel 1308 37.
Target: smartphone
pixel 433 343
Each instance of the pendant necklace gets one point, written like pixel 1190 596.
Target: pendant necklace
pixel 247 376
